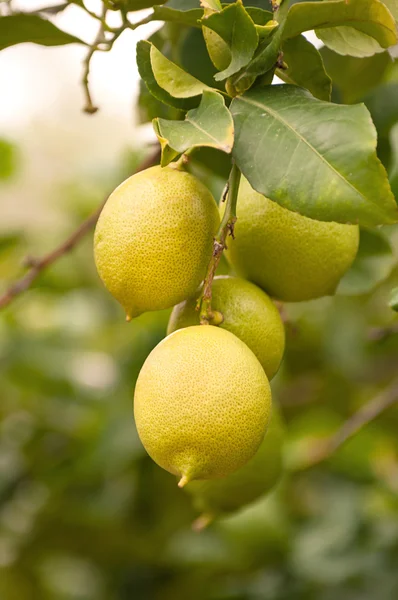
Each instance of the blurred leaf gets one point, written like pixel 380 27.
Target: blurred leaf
pixel 354 77
pixel 236 28
pixel 337 142
pixel 393 303
pixel 146 72
pixel 305 67
pixel 8 159
pixel 394 161
pixel 20 28
pixel 170 77
pixel 53 10
pixel 382 104
pixel 360 27
pixel 208 125
pixel 374 262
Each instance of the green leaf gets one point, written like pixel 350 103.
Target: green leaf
pixel 373 264
pixel 312 157
pixel 193 57
pixel 393 302
pixel 170 77
pixel 357 22
pixel 236 28
pixel 168 153
pixel 349 41
pixel 305 67
pixel 146 72
pixel 132 5
pixel 354 77
pixel 208 125
pixel 268 51
pixel 18 29
pixel 191 18
pixel 8 159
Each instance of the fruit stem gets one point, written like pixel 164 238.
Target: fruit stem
pixel 207 316
pixel 202 522
pixel 183 481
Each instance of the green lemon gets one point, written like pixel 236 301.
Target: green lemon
pixel 257 477
pixel 247 312
pixel 291 257
pixel 154 239
pixel 202 403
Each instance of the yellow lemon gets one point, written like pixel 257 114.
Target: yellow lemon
pixel 291 257
pixel 154 239
pixel 247 312
pixel 202 403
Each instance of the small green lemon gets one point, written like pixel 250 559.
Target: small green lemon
pixel 154 239
pixel 202 403
pixel 255 478
pixel 291 257
pixel 248 313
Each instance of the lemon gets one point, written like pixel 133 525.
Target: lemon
pixel 154 239
pixel 257 477
pixel 290 256
pixel 248 313
pixel 202 403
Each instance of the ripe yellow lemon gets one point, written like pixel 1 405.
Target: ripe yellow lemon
pixel 202 403
pixel 219 496
pixel 248 313
pixel 291 257
pixel 154 239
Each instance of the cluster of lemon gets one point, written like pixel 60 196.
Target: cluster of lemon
pixel 202 401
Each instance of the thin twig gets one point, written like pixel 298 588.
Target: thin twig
pixel 362 417
pixel 377 334
pixel 37 266
pixel 89 107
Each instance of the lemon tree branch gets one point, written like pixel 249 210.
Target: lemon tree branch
pixel 226 228
pixel 353 425
pixel 37 266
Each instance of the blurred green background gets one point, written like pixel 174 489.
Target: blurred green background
pixel 84 513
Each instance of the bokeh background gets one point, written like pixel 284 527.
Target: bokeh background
pixel 84 513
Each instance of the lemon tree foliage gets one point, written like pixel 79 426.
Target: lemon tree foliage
pixel 307 171
pixel 333 147
pixel 20 28
pixel 198 127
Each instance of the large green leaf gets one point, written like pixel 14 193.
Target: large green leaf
pixel 20 28
pixel 146 72
pixel 305 67
pixel 373 264
pixel 170 77
pixel 208 125
pixel 236 28
pixel 361 27
pixel 313 157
